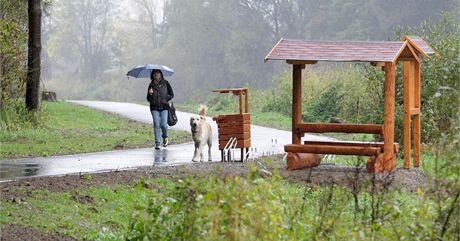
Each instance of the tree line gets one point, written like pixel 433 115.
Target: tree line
pixel 88 46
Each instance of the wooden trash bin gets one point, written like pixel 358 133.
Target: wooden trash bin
pixel 234 129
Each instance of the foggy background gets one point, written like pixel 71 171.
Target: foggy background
pixel 89 45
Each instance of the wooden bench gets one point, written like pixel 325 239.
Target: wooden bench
pixel 339 148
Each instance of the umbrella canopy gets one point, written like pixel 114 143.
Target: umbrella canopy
pixel 144 71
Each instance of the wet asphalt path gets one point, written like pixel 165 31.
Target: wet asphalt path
pixel 263 140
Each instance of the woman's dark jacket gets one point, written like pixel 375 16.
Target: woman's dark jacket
pixel 162 93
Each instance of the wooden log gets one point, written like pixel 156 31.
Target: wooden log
pixel 352 143
pixel 375 164
pixel 335 127
pixel 296 102
pixel 389 116
pixel 333 149
pixel 302 160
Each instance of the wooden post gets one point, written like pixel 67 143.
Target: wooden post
pixel 408 74
pixel 296 101
pixel 241 101
pixel 246 101
pixel 417 116
pixel 389 162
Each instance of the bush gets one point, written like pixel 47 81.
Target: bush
pixel 15 116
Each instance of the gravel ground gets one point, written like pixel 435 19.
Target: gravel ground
pixel 325 174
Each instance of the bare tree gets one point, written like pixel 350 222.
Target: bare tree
pixel 33 59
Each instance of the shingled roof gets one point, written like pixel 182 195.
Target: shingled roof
pixel 387 51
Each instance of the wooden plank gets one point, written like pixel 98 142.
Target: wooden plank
pixel 232 90
pixel 333 149
pixel 352 143
pixel 408 89
pixel 245 135
pixel 296 101
pixel 234 117
pixel 239 144
pixel 234 130
pixel 414 111
pixel 337 127
pixel 389 116
pixel 233 123
pixel 301 62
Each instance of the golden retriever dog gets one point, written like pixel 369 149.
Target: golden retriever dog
pixel 201 134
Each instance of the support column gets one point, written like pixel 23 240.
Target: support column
pixel 296 101
pixel 417 116
pixel 389 161
pixel 408 76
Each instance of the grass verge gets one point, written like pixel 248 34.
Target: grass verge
pixel 251 208
pixel 71 129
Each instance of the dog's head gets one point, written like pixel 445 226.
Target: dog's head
pixel 195 121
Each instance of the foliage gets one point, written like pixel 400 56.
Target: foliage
pixel 439 78
pixel 96 213
pixel 14 116
pixel 13 39
pixel 217 44
pixel 271 209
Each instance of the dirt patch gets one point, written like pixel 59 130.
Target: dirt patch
pixel 16 232
pixel 340 175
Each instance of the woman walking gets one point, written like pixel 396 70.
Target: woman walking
pixel 158 95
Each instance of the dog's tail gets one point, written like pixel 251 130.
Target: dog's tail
pixel 203 109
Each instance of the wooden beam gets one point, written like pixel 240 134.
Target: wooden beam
pixel 333 149
pixel 389 117
pixel 301 62
pixel 246 101
pixel 378 64
pixel 417 116
pixel 351 143
pixel 414 111
pixel 408 75
pixel 335 127
pixel 296 101
pixel 240 95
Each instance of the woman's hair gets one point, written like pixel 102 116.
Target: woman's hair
pixel 153 72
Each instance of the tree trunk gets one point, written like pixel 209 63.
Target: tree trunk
pixel 33 59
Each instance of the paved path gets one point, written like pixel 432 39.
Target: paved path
pixel 263 141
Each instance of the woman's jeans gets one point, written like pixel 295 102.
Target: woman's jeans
pixel 160 120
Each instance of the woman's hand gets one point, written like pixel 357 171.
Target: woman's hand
pixel 150 91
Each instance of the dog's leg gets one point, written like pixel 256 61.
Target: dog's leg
pixel 195 155
pixel 200 151
pixel 209 149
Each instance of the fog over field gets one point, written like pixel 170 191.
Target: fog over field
pixel 88 46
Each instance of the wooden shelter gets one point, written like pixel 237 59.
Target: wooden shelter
pixel 234 129
pixel 386 54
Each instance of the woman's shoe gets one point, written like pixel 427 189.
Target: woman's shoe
pixel 157 146
pixel 165 142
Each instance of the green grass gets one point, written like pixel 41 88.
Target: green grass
pixel 83 214
pixel 236 208
pixel 71 129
